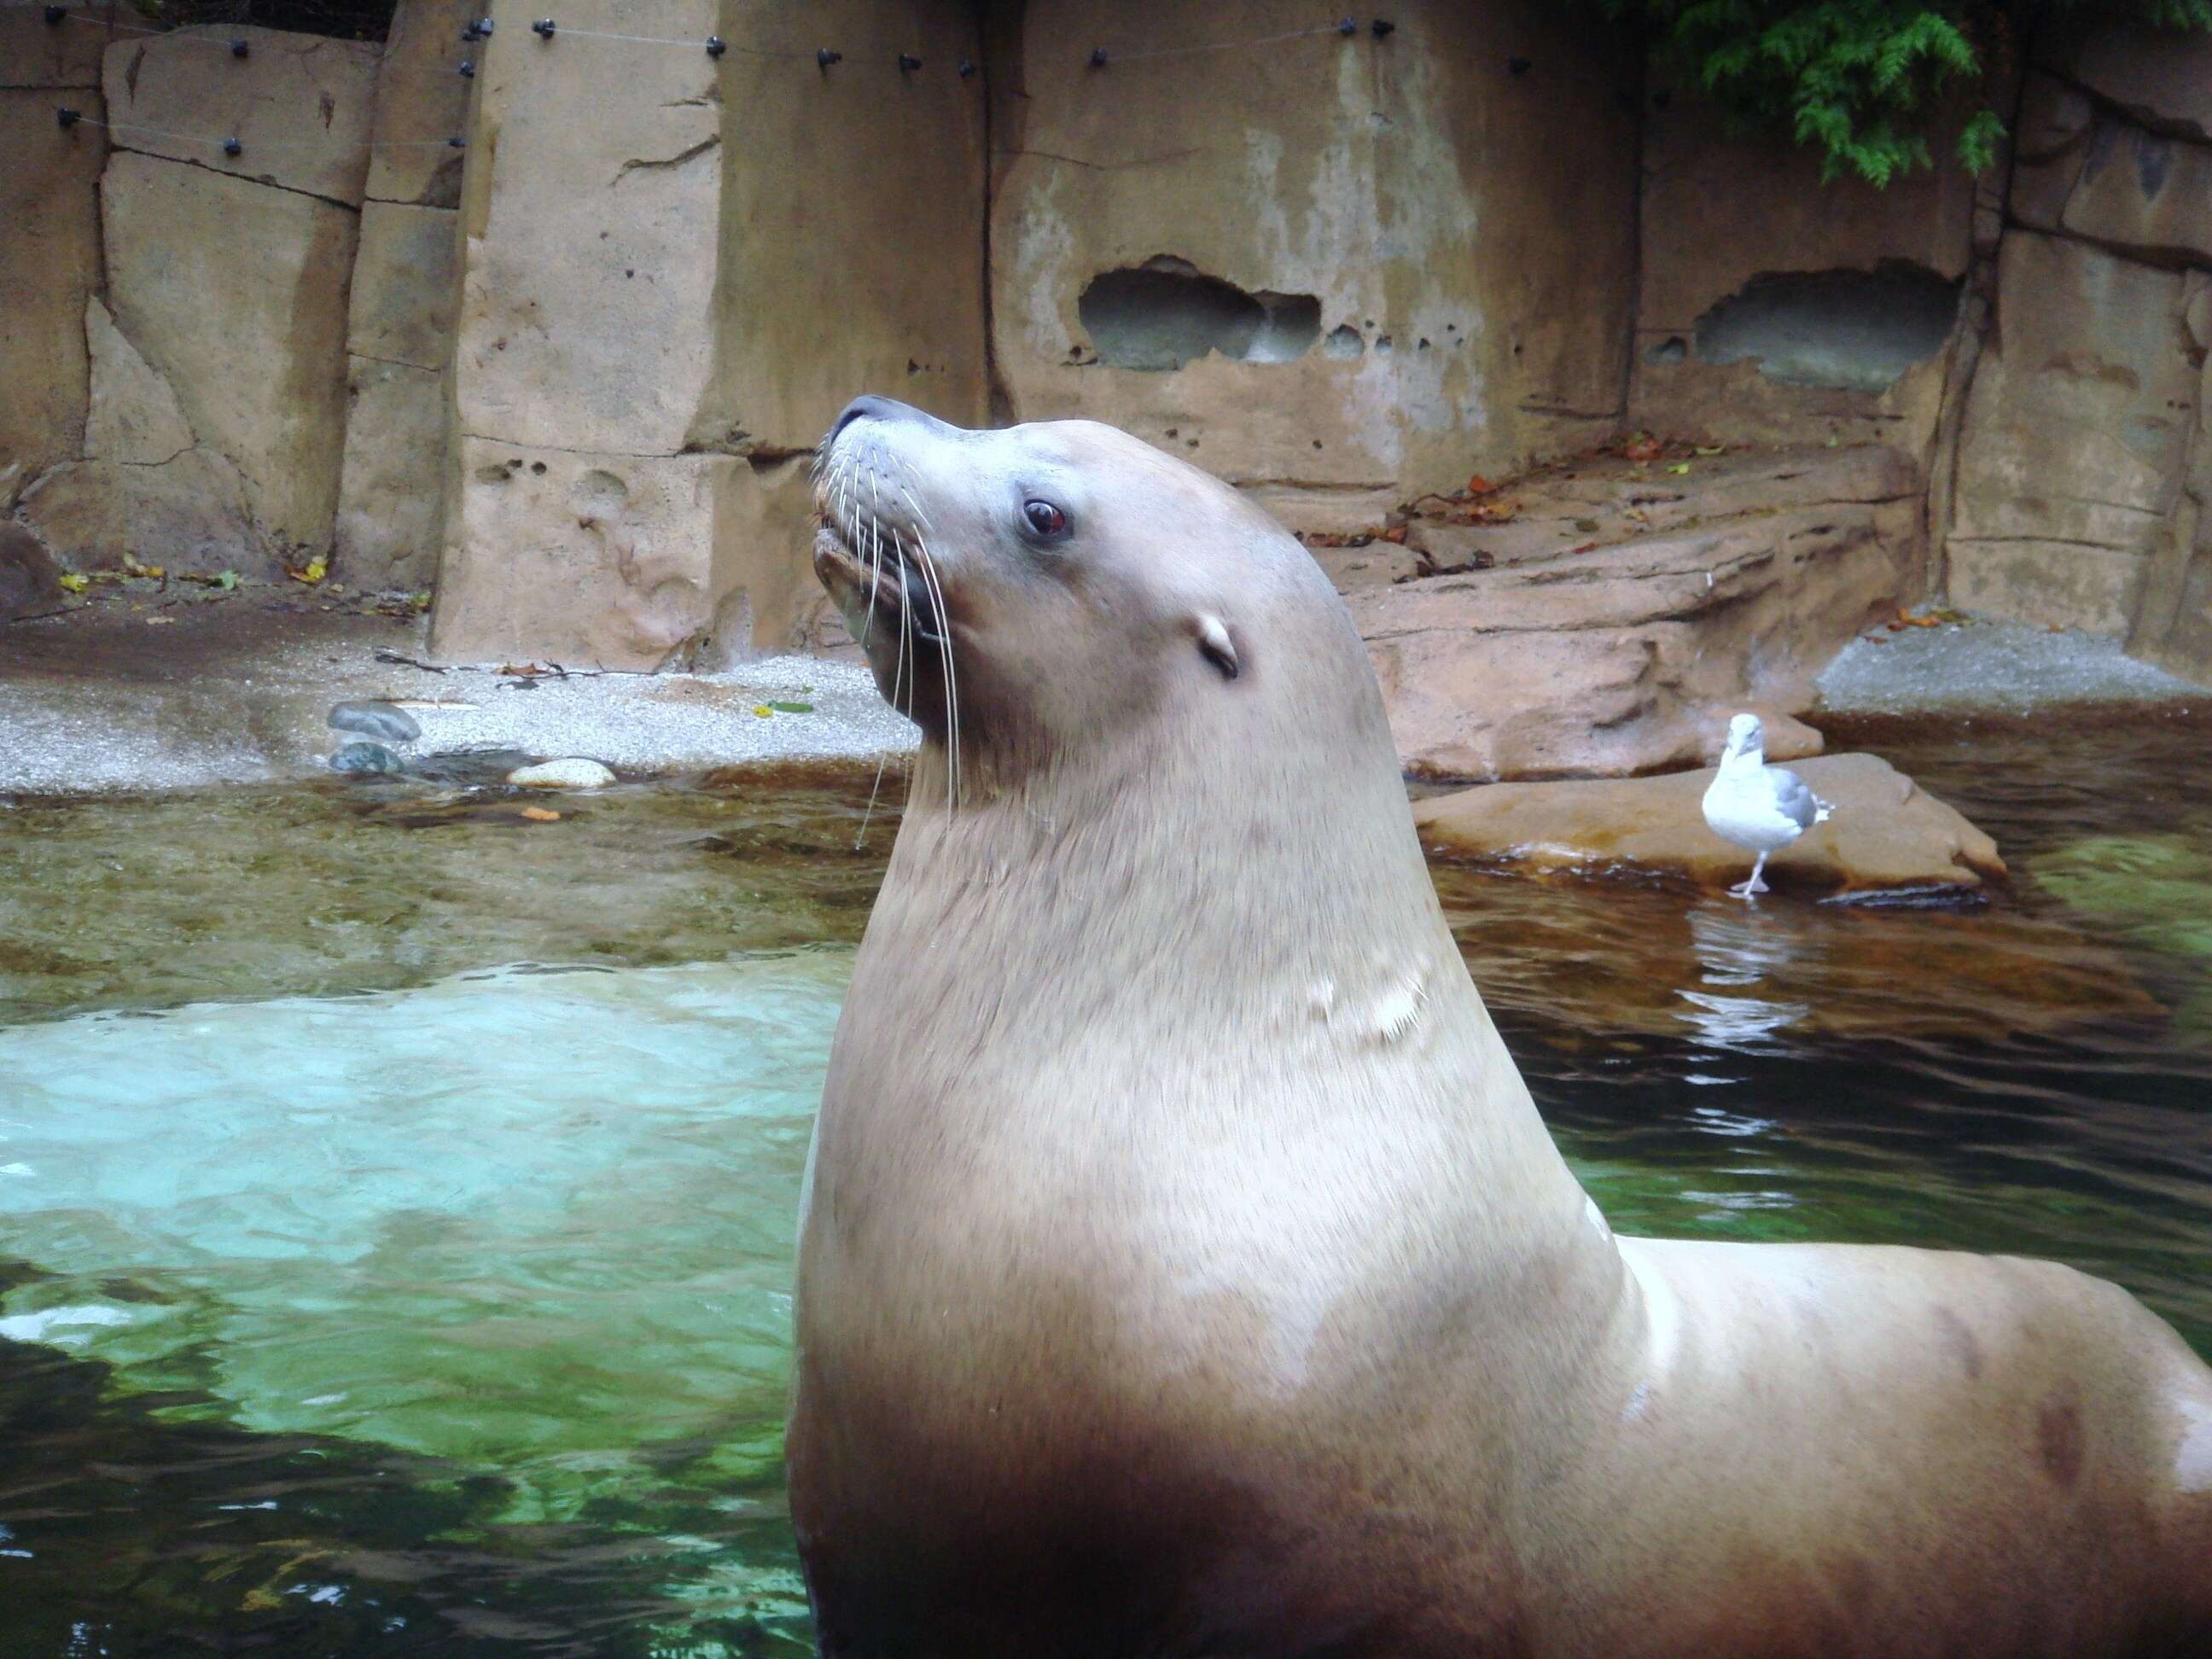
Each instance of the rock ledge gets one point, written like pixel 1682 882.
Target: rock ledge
pixel 1888 837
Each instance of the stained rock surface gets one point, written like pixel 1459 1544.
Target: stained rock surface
pixel 1886 835
pixel 1622 613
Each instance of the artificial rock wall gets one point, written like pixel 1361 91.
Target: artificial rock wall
pixel 571 369
pixel 1337 269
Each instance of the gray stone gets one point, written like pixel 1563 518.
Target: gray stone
pixel 375 719
pixel 367 760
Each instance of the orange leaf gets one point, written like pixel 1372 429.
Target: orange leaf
pixel 541 815
pixel 1396 534
pixel 1479 485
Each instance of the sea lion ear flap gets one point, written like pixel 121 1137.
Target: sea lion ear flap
pixel 1217 647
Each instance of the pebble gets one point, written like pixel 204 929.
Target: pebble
pixel 367 760
pixel 573 773
pixel 374 718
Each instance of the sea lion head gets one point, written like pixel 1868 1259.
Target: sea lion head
pixel 1027 590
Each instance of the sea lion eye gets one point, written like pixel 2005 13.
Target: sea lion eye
pixel 1044 517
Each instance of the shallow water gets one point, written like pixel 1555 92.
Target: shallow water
pixel 396 1196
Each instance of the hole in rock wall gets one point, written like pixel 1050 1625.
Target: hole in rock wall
pixel 1854 331
pixel 1161 314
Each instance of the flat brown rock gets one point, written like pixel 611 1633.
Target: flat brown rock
pixel 1887 835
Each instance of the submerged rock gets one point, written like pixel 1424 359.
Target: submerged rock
pixel 573 773
pixel 1888 835
pixel 367 760
pixel 468 768
pixel 374 718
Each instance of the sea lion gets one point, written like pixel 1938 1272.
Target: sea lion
pixel 1185 1270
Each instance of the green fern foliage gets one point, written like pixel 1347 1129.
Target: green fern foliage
pixel 1865 83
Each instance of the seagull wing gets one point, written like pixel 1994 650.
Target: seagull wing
pixel 1794 799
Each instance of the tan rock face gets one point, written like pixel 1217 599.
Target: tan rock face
pixel 876 193
pixel 1568 659
pixel 2076 432
pixel 1336 269
pixel 48 247
pixel 2104 178
pixel 405 286
pixel 2173 616
pixel 234 294
pixel 606 561
pixel 133 416
pixel 188 514
pixel 34 54
pixel 1777 308
pixel 421 100
pixel 400 339
pixel 2156 75
pixel 30 581
pixel 390 504
pixel 628 294
pixel 1885 835
pixel 298 104
pixel 589 264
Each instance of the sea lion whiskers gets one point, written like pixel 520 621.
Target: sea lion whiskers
pixel 933 587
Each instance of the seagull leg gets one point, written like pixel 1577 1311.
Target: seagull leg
pixel 1753 884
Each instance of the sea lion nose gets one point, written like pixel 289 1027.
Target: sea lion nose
pixel 869 406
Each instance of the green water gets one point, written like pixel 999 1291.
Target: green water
pixel 396 1197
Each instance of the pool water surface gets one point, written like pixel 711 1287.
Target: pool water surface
pixel 396 1194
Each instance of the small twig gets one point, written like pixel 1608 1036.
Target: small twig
pixel 407 662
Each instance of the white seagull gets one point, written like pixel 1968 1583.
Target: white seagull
pixel 1760 808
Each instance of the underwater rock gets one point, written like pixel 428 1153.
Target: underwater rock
pixel 468 768
pixel 1886 836
pixel 373 717
pixel 367 760
pixel 574 773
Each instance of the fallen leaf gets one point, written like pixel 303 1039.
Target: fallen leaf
pixel 159 622
pixel 1642 448
pixel 1479 485
pixel 1395 533
pixel 227 581
pixel 764 711
pixel 75 583
pixel 1710 449
pixel 793 708
pixel 541 815
pixel 310 573
pixel 1679 468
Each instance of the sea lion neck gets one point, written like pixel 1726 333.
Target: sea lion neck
pixel 1183 883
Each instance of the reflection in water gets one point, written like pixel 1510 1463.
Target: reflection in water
pixel 1736 948
pixel 369 1302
